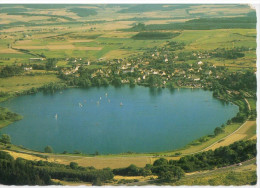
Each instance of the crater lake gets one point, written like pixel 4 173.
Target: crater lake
pixel 116 120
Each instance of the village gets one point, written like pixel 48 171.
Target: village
pixel 142 68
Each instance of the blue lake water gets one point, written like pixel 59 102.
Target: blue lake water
pixel 136 119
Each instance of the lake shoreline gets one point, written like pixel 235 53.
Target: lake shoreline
pixel 145 153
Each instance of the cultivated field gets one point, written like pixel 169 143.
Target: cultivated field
pixel 103 35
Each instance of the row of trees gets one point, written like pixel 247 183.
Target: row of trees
pixel 20 172
pixel 52 87
pixel 223 156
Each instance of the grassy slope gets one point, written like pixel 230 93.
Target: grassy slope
pixel 21 83
pixel 196 148
pixel 247 131
pixel 252 103
pixel 234 175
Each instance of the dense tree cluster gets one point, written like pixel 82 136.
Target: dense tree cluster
pixel 218 130
pixel 24 172
pixel 9 71
pixel 133 170
pixel 38 66
pixel 5 138
pixel 51 63
pixel 48 149
pixel 248 21
pixel 154 35
pixel 173 46
pixel 154 81
pixel 83 12
pixel 52 87
pixel 21 172
pixel 7 115
pixel 160 167
pixel 239 81
pixel 166 171
pixel 233 53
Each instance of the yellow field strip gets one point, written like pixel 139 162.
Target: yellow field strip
pixel 54 47
pixel 237 135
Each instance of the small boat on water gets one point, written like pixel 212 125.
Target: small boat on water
pixel 56 116
pixel 106 94
pixel 100 98
pixel 80 105
pixel 121 104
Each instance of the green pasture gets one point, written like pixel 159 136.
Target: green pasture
pixel 252 103
pixel 219 38
pixel 62 64
pixel 114 43
pixel 88 44
pixel 16 56
pixel 22 83
pixel 234 176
